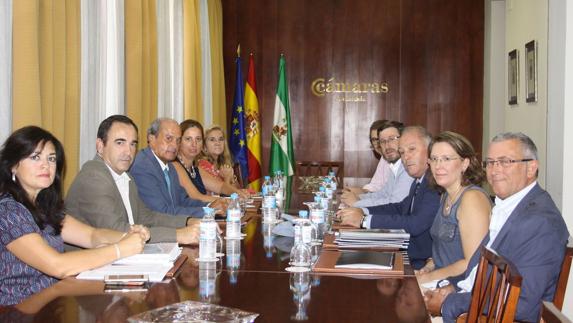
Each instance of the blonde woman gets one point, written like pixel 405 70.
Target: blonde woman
pixel 215 157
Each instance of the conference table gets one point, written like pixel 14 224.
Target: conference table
pixel 250 277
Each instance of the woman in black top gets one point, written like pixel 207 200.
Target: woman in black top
pixel 198 183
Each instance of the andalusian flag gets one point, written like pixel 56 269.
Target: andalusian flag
pixel 237 140
pixel 253 128
pixel 282 154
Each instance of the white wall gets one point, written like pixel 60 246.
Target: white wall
pixel 550 22
pixel 560 137
pixel 526 20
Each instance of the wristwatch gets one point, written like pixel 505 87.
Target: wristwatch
pixel 362 222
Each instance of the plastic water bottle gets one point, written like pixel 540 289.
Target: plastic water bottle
pixel 308 229
pixel 208 235
pixel 269 198
pixel 318 216
pixel 234 218
pixel 333 180
pixel 278 185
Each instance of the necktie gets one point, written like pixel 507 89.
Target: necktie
pixel 168 181
pixel 414 197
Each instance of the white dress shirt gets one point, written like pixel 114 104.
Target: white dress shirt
pixel 122 183
pixel 499 215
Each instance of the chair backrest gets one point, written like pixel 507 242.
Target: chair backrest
pixel 550 314
pixel 238 175
pixel 496 289
pixel 563 276
pixel 308 172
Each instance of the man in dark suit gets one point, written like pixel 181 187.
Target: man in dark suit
pixel 526 228
pixel 416 212
pixel 156 178
pixel 105 196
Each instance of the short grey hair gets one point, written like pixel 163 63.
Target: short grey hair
pixel 420 131
pixel 528 147
pixel 156 125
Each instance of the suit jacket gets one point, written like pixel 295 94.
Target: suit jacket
pixel 534 239
pixel 150 181
pixel 94 199
pixel 417 224
pixel 396 188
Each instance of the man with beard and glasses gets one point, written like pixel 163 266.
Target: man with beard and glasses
pixel 398 184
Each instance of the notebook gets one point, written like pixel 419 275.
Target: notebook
pixel 365 260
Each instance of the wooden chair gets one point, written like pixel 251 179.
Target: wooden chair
pixel 550 314
pixel 308 170
pixel 238 175
pixel 496 289
pixel 563 276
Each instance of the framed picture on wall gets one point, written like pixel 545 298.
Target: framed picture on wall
pixel 531 71
pixel 512 76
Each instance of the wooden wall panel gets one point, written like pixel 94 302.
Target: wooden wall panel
pixel 430 52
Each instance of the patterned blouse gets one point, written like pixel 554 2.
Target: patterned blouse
pixel 18 280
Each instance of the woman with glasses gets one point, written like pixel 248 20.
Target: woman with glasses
pixel 33 226
pixel 463 218
pixel 197 181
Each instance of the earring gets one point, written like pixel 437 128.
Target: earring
pixel 14 177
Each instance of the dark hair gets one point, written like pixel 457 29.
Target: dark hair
pixel 48 206
pixel 190 123
pixel 105 125
pixel 377 124
pixel 474 174
pixel 391 124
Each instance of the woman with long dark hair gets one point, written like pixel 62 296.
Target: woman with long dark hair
pixel 33 226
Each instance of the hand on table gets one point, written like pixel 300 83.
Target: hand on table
pixel 190 233
pixel 132 243
pixel 348 198
pixel 142 230
pixel 351 216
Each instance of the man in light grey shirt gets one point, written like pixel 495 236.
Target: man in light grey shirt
pixel 398 184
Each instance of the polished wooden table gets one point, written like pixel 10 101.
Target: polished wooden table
pixel 250 277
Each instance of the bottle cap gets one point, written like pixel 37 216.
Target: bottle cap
pixel 208 210
pixel 303 214
pixel 234 196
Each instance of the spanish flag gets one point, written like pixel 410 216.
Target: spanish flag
pixel 253 128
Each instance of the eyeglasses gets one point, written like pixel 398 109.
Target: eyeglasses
pixel 505 163
pixel 444 159
pixel 387 141
pixel 214 139
pixel 374 141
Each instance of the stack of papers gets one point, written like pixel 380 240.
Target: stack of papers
pixel 153 253
pixel 155 261
pixel 373 238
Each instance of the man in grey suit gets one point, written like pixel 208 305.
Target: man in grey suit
pixel 526 228
pixel 104 195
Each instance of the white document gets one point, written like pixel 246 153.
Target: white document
pixel 153 253
pixel 154 272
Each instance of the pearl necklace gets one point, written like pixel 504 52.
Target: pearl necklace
pixel 450 201
pixel 191 171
